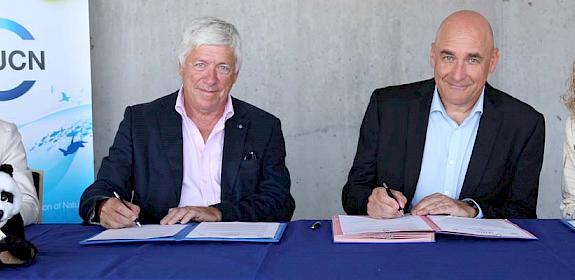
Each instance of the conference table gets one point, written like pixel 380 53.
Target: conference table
pixel 303 253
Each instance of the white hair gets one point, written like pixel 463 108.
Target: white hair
pixel 210 31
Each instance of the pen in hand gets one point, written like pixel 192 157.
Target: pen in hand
pixel 123 202
pixel 390 194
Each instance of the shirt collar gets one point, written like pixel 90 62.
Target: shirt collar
pixel 181 108
pixel 437 106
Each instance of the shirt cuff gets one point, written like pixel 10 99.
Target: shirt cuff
pixel 479 211
pixel 93 219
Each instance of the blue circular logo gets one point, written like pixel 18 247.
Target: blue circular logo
pixel 24 34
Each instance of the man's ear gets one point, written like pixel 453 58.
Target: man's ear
pixel 236 74
pixel 180 69
pixel 432 55
pixel 494 60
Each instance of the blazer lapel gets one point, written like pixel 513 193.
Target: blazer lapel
pixel 418 117
pixel 170 123
pixel 234 140
pixel 484 142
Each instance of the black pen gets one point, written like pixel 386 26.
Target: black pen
pixel 388 190
pixel 315 225
pixel 123 202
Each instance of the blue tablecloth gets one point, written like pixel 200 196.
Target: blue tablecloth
pixel 303 253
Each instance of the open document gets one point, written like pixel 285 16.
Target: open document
pixel 206 231
pixel 234 230
pixel 410 228
pixel 139 233
pixel 490 228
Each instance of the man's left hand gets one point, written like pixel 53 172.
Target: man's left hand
pixel 438 204
pixel 192 213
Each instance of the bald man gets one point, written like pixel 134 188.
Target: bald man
pixel 449 145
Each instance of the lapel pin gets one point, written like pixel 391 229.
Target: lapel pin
pixel 240 126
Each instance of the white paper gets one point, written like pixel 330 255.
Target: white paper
pixel 361 224
pixel 480 227
pixel 234 230
pixel 144 232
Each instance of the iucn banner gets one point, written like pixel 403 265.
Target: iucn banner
pixel 45 89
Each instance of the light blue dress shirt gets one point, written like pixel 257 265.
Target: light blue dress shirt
pixel 448 148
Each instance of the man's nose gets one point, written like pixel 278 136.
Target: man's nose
pixel 211 76
pixel 458 71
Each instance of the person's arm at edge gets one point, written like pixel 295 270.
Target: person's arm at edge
pixel 15 155
pixel 568 187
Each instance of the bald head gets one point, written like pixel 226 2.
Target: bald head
pixel 466 21
pixel 463 55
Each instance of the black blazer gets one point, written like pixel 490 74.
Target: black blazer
pixel 147 157
pixel 503 172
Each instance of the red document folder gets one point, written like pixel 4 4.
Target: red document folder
pixel 407 229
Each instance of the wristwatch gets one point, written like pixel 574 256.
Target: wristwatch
pixel 473 205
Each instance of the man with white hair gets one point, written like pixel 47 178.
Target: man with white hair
pixel 197 154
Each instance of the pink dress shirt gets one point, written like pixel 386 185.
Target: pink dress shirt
pixel 201 184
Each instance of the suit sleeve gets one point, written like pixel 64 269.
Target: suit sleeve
pixel 271 201
pixel 521 201
pixel 115 173
pixel 15 155
pixel 362 176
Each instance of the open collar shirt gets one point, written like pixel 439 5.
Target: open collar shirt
pixel 447 151
pixel 202 170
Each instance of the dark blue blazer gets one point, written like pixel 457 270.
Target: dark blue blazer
pixel 147 158
pixel 503 172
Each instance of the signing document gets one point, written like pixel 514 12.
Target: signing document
pixel 361 224
pixel 498 228
pixel 411 228
pixel 234 230
pixel 206 231
pixel 143 232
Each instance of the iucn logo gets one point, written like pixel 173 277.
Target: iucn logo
pixel 18 60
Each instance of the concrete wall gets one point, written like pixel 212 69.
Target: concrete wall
pixel 314 64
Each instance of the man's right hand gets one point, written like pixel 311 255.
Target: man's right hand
pixel 114 214
pixel 382 206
